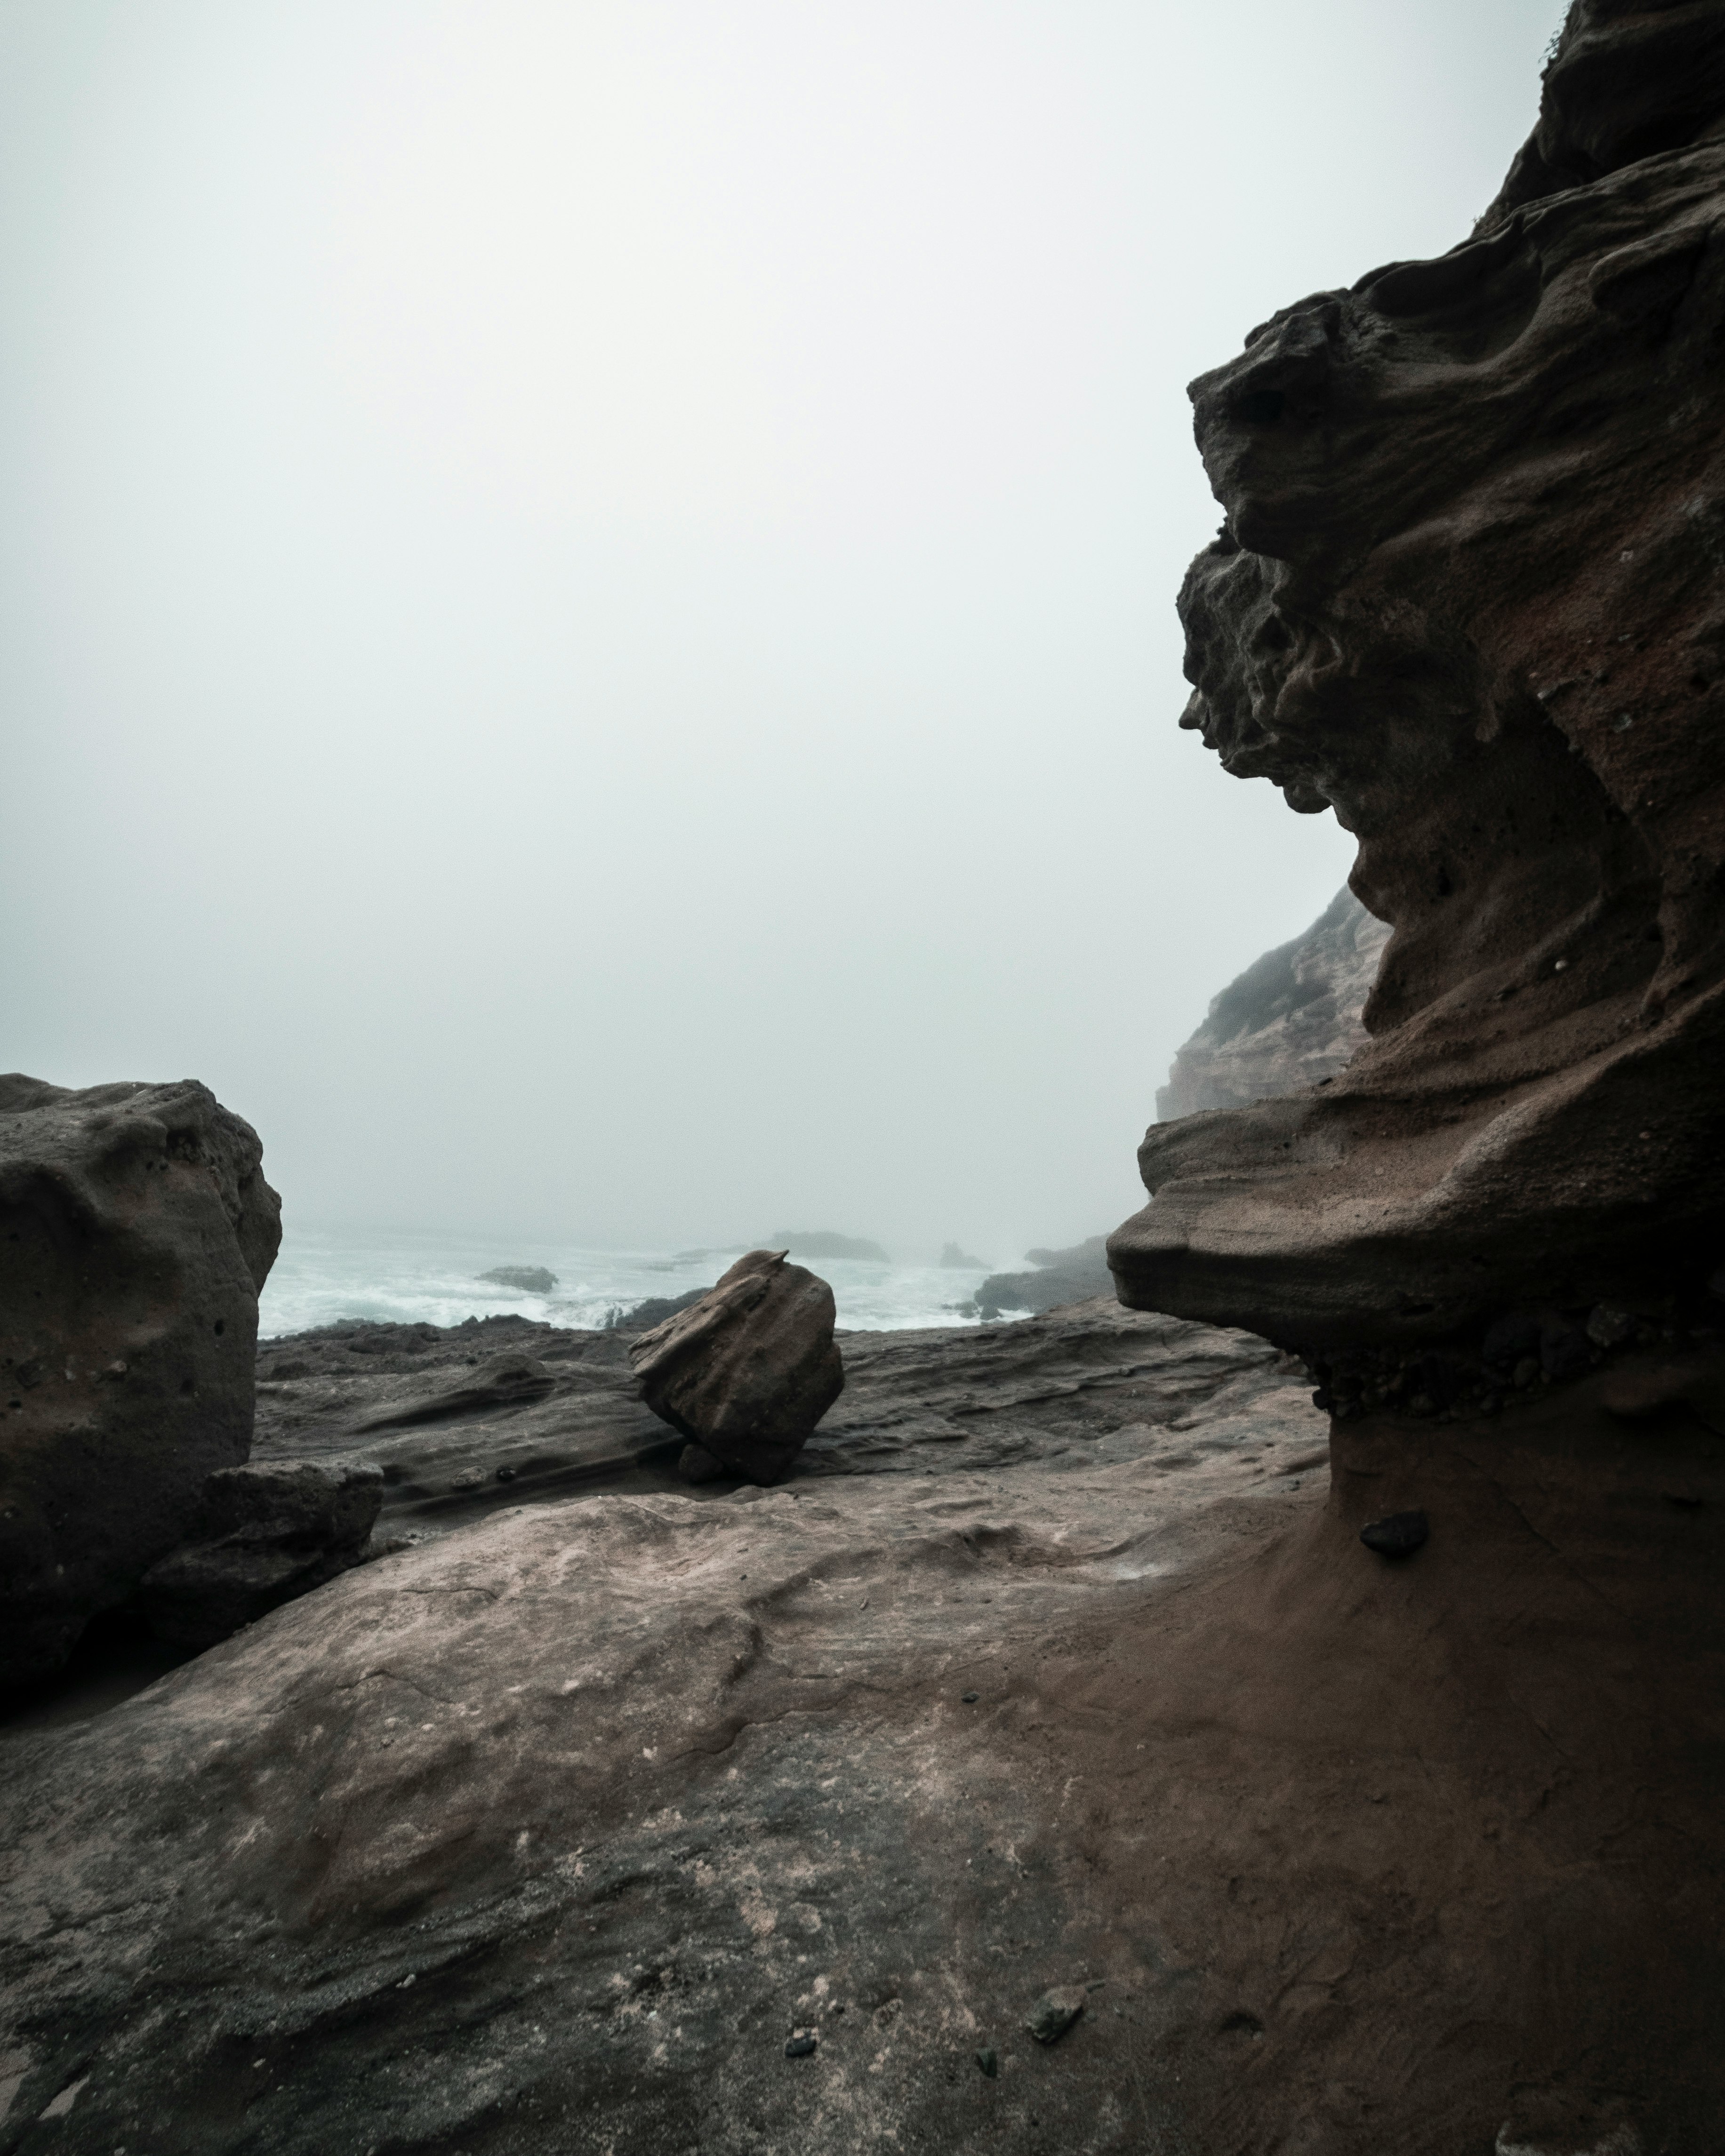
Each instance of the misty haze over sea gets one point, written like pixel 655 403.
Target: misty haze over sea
pixel 324 1275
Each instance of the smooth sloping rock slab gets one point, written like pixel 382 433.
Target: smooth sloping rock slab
pixel 136 1230
pixel 551 1834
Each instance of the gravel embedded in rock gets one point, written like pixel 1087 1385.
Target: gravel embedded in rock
pixel 801 2046
pixel 1055 2012
pixel 1398 1534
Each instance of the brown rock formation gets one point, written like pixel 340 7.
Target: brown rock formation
pixel 1290 1020
pixel 748 1370
pixel 136 1229
pixel 1470 594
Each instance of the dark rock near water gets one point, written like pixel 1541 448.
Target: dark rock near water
pixel 749 1370
pixel 265 1533
pixel 643 1316
pixel 136 1229
pixel 1466 593
pixel 950 1254
pixel 535 1279
pixel 1061 1276
pixel 1290 1020
pixel 819 1244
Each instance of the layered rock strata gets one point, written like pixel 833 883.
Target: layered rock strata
pixel 746 1372
pixel 136 1230
pixel 1290 1020
pixel 1470 595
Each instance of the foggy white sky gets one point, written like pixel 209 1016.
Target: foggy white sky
pixel 586 621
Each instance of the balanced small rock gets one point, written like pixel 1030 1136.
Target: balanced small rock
pixel 747 1372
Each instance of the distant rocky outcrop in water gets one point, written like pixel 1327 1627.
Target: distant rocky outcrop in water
pixel 1290 1019
pixel 135 1231
pixel 535 1279
pixel 952 1254
pixel 1060 1277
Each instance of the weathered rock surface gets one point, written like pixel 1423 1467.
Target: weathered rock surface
pixel 1087 1382
pixel 1468 594
pixel 457 1417
pixel 551 1833
pixel 749 1370
pixel 264 1534
pixel 1061 1276
pixel 1290 1020
pixel 136 1229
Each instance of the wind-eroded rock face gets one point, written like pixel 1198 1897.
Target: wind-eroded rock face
pixel 1471 592
pixel 136 1230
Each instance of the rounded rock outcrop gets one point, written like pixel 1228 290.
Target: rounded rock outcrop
pixel 135 1231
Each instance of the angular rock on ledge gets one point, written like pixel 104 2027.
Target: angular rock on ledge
pixel 1468 594
pixel 749 1370
pixel 136 1230
pixel 265 1533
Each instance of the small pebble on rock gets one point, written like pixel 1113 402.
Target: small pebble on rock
pixel 970 1698
pixel 1398 1534
pixel 1055 2012
pixel 989 2061
pixel 800 2045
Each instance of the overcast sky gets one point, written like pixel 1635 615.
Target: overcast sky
pixel 588 590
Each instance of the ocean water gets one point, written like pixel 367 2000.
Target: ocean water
pixel 324 1274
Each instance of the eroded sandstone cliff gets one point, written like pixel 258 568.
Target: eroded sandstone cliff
pixel 1470 594
pixel 1290 1020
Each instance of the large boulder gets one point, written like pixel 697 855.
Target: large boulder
pixel 1467 594
pixel 265 1533
pixel 748 1370
pixel 136 1230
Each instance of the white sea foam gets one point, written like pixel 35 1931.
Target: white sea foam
pixel 325 1273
